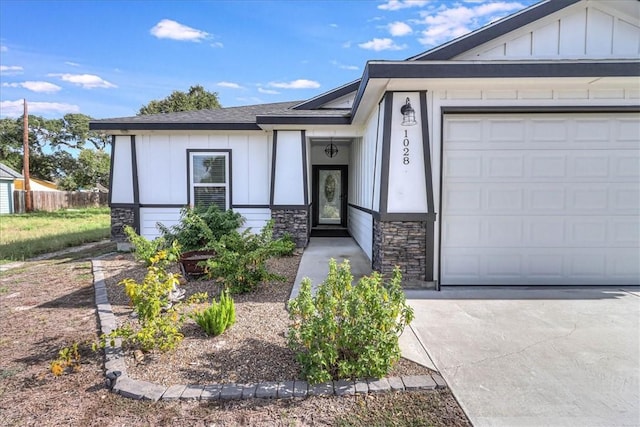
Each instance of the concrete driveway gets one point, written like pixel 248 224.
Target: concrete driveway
pixel 536 357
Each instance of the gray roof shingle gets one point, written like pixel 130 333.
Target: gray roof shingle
pixel 232 118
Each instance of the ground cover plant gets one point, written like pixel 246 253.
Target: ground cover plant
pixel 23 236
pixel 48 305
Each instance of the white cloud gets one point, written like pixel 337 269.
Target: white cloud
pixel 15 108
pixel 344 66
pixel 333 25
pixel 217 45
pixel 268 91
pixel 346 44
pixel 87 81
pixel 169 29
pixel 3 48
pixel 296 84
pixel 40 87
pixel 381 44
pixel 401 4
pixel 73 64
pixel 8 70
pixel 398 29
pixel 230 85
pixel 448 23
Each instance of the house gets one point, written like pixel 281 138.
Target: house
pixel 36 184
pixel 7 182
pixel 508 156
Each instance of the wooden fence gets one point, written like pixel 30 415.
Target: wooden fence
pixel 54 200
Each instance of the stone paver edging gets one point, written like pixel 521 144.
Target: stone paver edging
pixel 119 382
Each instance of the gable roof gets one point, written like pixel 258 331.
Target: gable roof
pixel 7 173
pixel 491 31
pixel 432 64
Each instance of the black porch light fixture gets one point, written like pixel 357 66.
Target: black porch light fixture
pixel 408 114
pixel 331 150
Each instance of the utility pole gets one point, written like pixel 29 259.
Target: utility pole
pixel 25 140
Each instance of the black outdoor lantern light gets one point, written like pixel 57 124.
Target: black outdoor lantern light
pixel 331 150
pixel 408 114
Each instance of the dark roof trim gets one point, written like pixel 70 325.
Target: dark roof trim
pixel 500 28
pixel 493 69
pixel 319 101
pixel 128 126
pixel 302 120
pixel 497 69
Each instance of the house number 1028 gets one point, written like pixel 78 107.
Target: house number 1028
pixel 405 149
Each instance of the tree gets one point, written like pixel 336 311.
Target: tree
pixel 50 144
pixel 11 146
pixel 197 98
pixel 72 131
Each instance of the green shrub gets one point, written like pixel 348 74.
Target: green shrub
pixel 240 261
pixel 199 227
pixel 159 319
pixel 218 317
pixel 348 331
pixel 146 250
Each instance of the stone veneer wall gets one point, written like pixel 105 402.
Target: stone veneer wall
pixel 401 243
pixel 292 221
pixel 119 218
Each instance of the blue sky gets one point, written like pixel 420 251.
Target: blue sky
pixel 108 58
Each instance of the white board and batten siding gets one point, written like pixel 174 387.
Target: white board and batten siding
pixel 289 179
pixel 541 199
pixel 163 180
pixel 122 177
pixel 585 30
pixel 407 191
pixel 364 183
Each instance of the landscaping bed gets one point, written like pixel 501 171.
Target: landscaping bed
pixel 47 305
pixel 253 350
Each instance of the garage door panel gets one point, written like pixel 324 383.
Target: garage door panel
pixel 585 266
pixel 541 199
pixel 587 166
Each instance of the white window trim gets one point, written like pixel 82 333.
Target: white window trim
pixel 227 185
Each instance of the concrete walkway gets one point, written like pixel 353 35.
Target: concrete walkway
pixel 315 265
pixel 536 357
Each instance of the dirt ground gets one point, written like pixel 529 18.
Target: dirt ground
pixel 48 304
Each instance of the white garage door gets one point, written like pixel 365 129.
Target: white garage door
pixel 541 199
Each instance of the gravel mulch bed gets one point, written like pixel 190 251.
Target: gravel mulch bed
pixel 253 350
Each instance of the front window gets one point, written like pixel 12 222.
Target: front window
pixel 209 183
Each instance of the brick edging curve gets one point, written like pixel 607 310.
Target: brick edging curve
pixel 119 382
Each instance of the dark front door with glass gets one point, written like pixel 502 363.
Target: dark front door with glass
pixel 330 196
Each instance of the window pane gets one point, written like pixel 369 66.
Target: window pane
pixel 209 169
pixel 207 196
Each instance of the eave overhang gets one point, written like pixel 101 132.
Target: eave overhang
pixel 126 127
pixel 378 74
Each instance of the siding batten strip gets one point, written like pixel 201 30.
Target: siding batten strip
pixel 386 151
pixel 428 180
pixel 305 178
pixel 136 185
pixel 273 167
pixel 111 166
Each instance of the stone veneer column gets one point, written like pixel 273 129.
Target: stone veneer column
pixel 401 243
pixel 292 221
pixel 119 218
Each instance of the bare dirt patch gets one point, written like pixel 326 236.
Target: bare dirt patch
pixel 47 305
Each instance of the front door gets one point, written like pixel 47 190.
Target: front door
pixel 330 196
